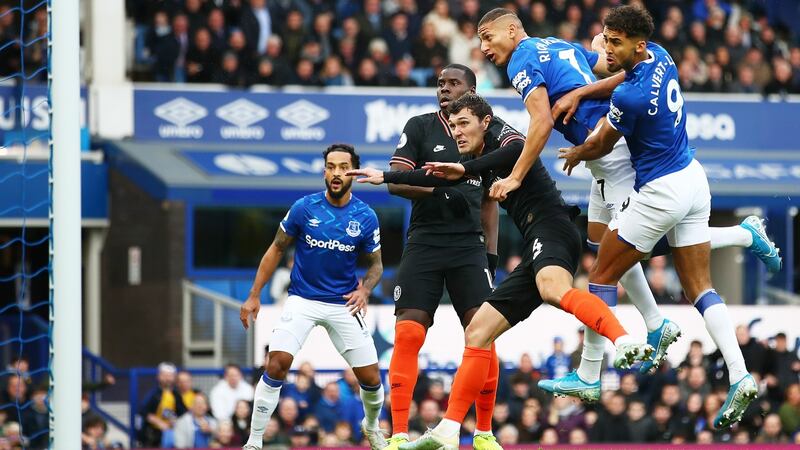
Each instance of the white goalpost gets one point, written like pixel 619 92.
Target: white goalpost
pixel 65 222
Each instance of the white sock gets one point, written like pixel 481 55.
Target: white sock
pixel 624 339
pixel 265 401
pixel 720 327
pixel 635 283
pixel 372 399
pixel 594 351
pixel 734 236
pixel 448 427
pixel 478 432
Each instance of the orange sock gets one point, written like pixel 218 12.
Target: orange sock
pixel 403 369
pixel 484 404
pixel 593 312
pixel 470 378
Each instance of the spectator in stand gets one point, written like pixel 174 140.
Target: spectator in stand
pixel 344 433
pixel 186 388
pixel 161 408
pixel 302 393
pixel 294 36
pixel 241 421
pixel 716 80
pixel 794 59
pixel 288 414
pixel 539 25
pixel 755 353
pixel 237 44
pixel 36 419
pixel 427 50
pixel 508 435
pixel 772 431
pixel 14 395
pixel 195 15
pixel 782 83
pixel 170 52
pixel 436 393
pixel 217 30
pixel 379 53
pixel 501 415
pixel 745 82
pixel 663 425
pixel 779 371
pixel 370 21
pixel 397 37
pixel 93 436
pixel 330 407
pixel 299 437
pixel 487 77
pixel 201 59
pixel 277 72
pixel 789 411
pixel 322 33
pixel 230 72
pixel 304 75
pixel 195 428
pixel 444 25
pixel 558 363
pixel 565 415
pixel 531 422
pixel 367 73
pixel 695 358
pixel 470 11
pixel 640 425
pixel 429 415
pixel 333 74
pixel 549 437
pixel 224 437
pixel 612 425
pixel 230 389
pixel 464 42
pixel 695 382
pixel 273 436
pixel 256 24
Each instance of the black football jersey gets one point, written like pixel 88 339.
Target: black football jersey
pixel 427 137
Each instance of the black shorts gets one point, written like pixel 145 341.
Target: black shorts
pixel 424 270
pixel 552 242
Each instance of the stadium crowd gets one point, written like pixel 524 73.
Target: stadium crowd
pixel 743 46
pixel 676 405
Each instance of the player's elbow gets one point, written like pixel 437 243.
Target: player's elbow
pixel 395 189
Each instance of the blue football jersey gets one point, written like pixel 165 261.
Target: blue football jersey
pixel 561 67
pixel 647 108
pixel 328 240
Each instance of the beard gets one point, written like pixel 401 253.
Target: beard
pixel 336 195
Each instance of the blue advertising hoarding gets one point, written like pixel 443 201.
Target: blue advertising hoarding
pixel 370 118
pixel 31 114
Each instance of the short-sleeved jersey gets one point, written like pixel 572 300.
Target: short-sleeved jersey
pixel 561 67
pixel 427 137
pixel 328 240
pixel 647 108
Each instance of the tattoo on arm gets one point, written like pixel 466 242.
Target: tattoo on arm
pixel 282 240
pixel 375 270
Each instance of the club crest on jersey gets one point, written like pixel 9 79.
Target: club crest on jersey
pixel 398 291
pixel 353 229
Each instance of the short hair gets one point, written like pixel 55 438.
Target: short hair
pixel 495 14
pixel 631 20
pixel 347 148
pixel 471 80
pixel 474 102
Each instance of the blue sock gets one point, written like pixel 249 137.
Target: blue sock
pixel 606 292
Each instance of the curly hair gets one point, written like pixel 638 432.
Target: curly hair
pixel 474 102
pixel 631 20
pixel 347 148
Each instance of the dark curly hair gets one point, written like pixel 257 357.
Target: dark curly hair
pixel 347 148
pixel 474 102
pixel 631 20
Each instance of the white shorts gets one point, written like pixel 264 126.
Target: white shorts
pixel 678 205
pixel 349 334
pixel 607 195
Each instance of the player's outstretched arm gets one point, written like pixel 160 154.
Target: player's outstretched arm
pixel 541 124
pixel 266 268
pixel 357 300
pixel 599 144
pixel 405 190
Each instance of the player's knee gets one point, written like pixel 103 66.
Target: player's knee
pixel 415 315
pixel 279 365
pixel 368 375
pixel 553 284
pixel 477 335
